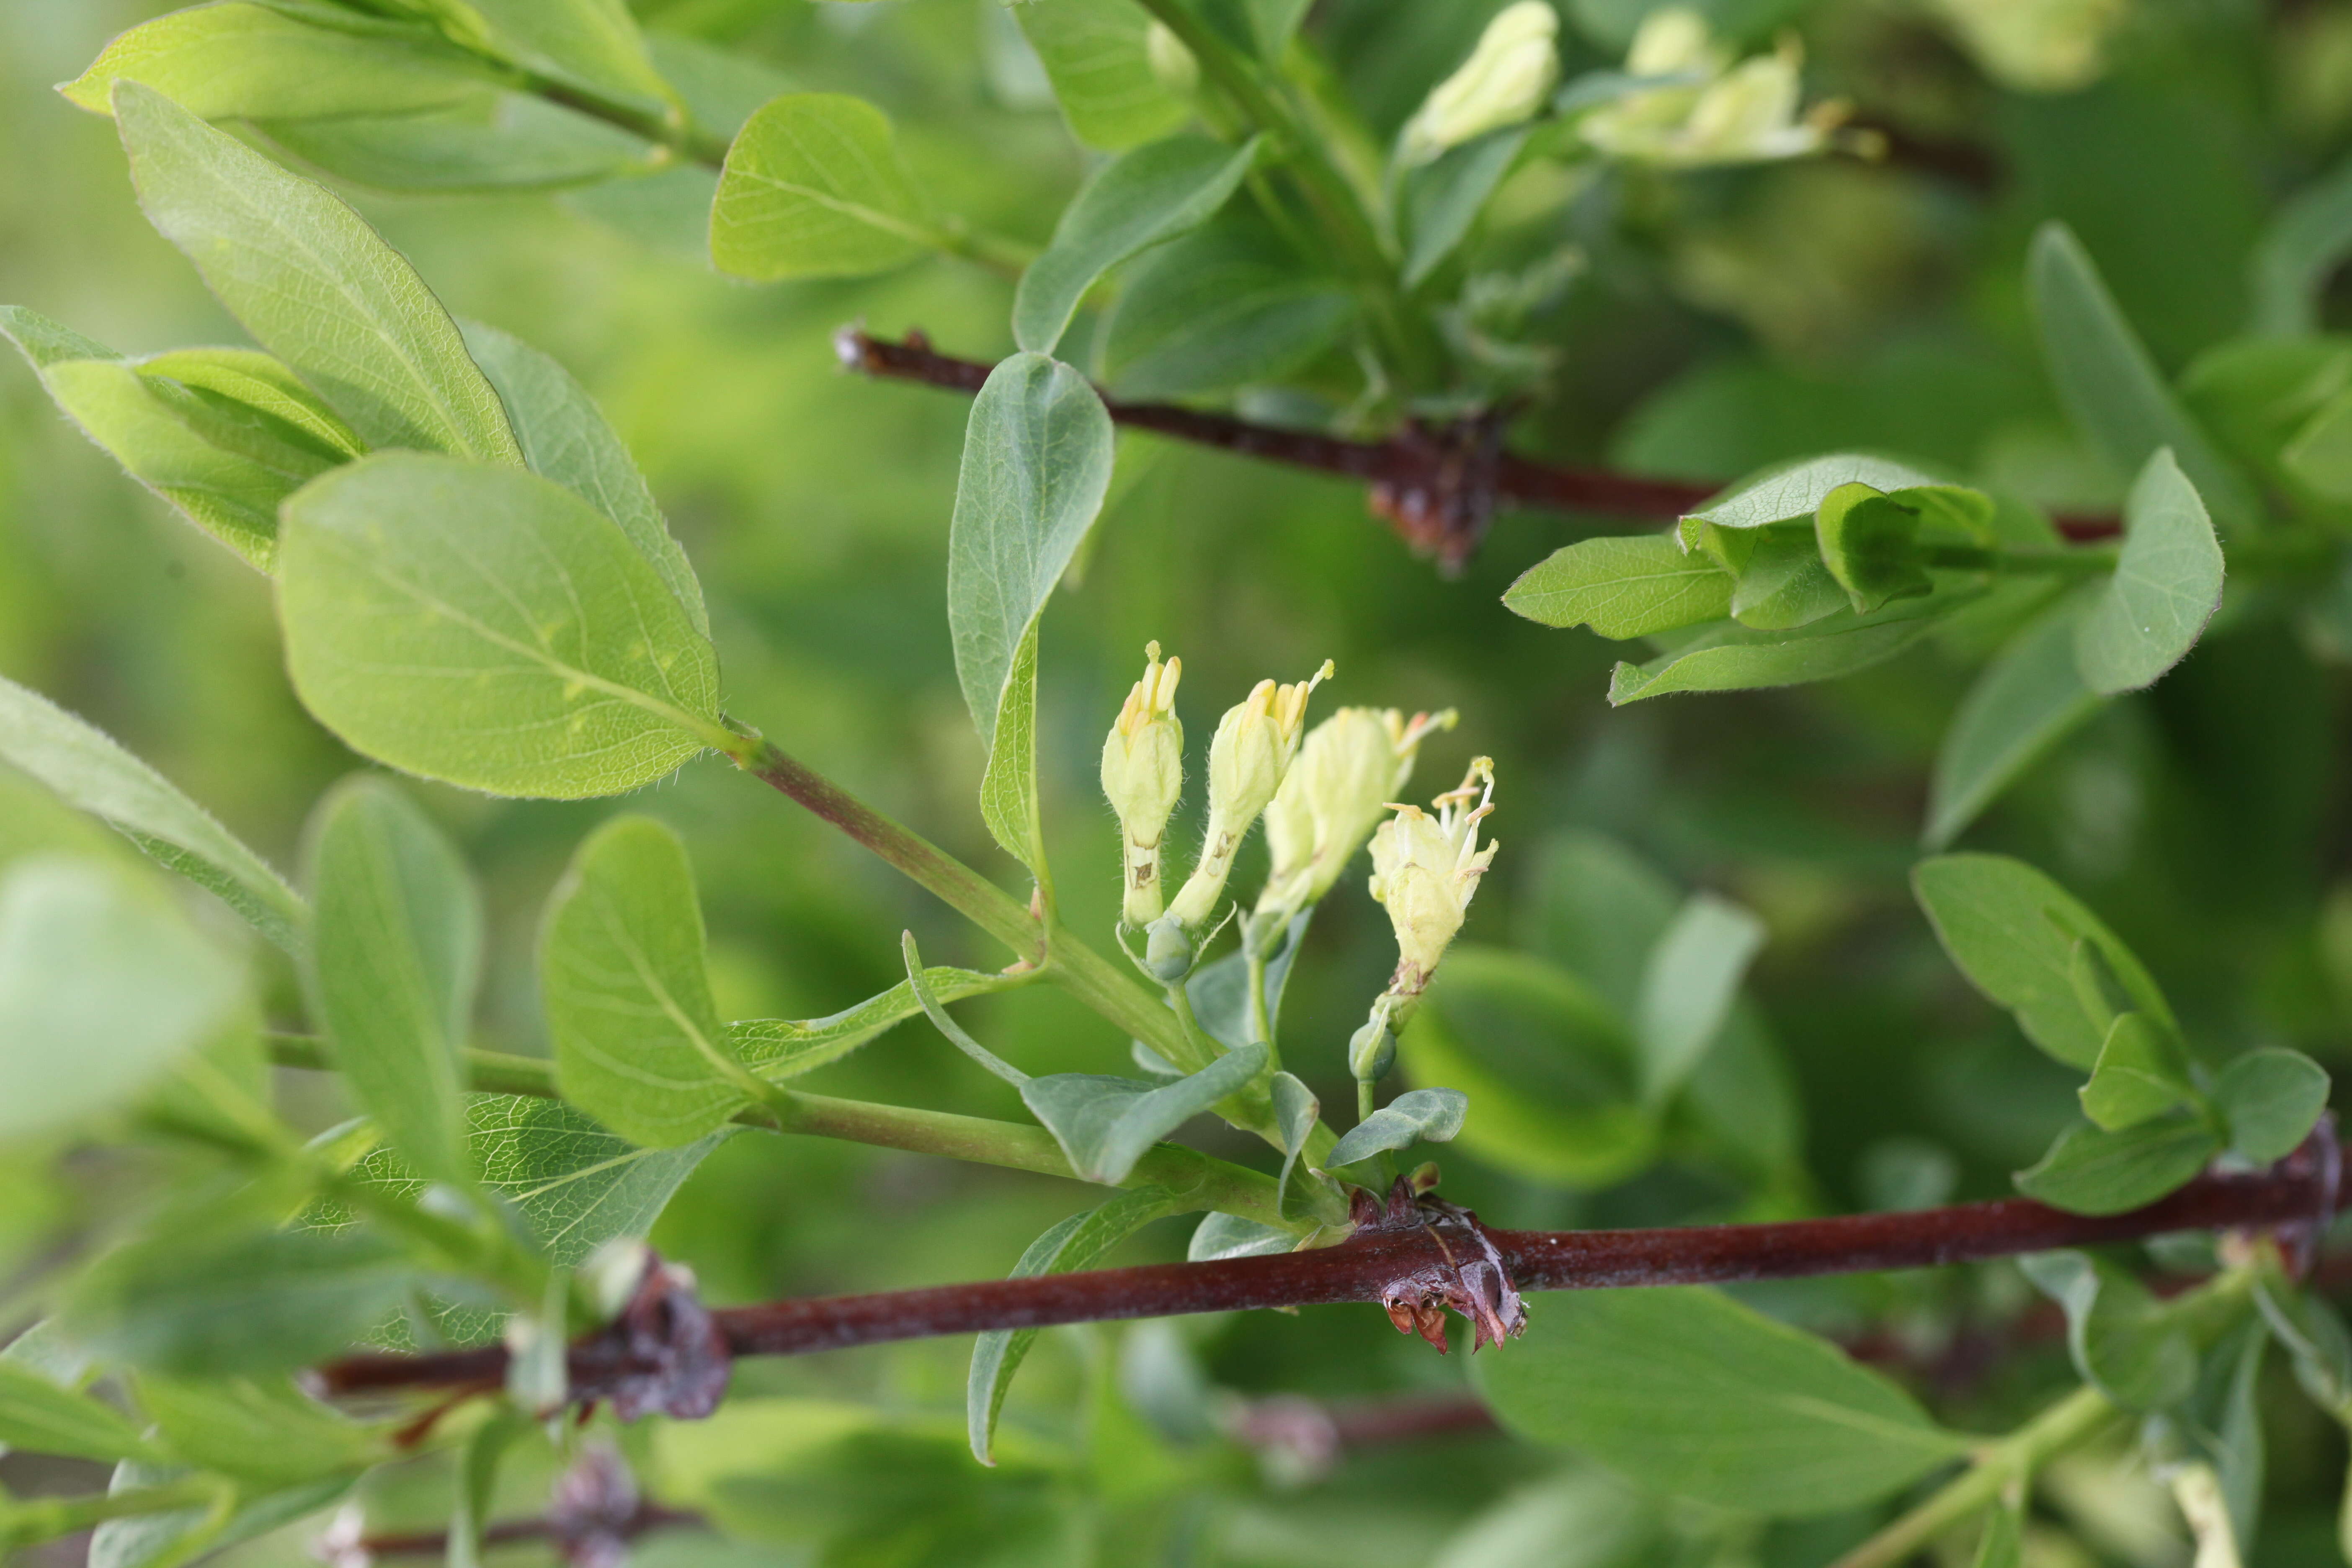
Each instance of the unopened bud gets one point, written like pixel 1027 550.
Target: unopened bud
pixel 1168 950
pixel 1672 42
pixel 1426 869
pixel 1172 65
pixel 1503 83
pixel 1349 767
pixel 1142 774
pixel 1254 744
pixel 1747 113
pixel 1371 1050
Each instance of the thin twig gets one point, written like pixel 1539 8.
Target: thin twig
pixel 1438 485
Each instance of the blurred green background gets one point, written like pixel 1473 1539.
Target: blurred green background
pixel 1723 320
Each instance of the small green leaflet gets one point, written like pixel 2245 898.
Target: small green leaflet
pixel 1736 657
pixel 2166 585
pixel 2123 1341
pixel 41 1416
pixel 814 187
pixel 2029 699
pixel 621 969
pixel 90 771
pixel 313 283
pixel 1432 1114
pixel 395 950
pixel 1096 58
pixel 2270 1099
pixel 1218 309
pixel 1036 465
pixel 1295 1111
pixel 1222 1236
pixel 1071 1244
pixel 1689 985
pixel 1622 587
pixel 256 62
pixel 1686 1391
pixel 1106 1124
pixel 480 624
pixel 1868 543
pixel 565 436
pixel 2089 1170
pixel 103 985
pixel 1444 198
pixel 1783 583
pixel 1793 491
pixel 1138 199
pixel 2139 1076
pixel 2107 381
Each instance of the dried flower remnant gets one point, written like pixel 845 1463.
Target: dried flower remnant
pixel 1469 1276
pixel 672 1356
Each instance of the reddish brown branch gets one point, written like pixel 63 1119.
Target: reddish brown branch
pixel 2292 1194
pixel 1438 485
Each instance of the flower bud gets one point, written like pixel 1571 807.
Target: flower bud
pixel 1747 113
pixel 1371 1050
pixel 1349 768
pixel 1675 42
pixel 1502 83
pixel 1142 774
pixel 1253 750
pixel 1426 869
pixel 1168 950
pixel 1172 65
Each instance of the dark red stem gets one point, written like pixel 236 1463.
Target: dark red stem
pixel 2295 1193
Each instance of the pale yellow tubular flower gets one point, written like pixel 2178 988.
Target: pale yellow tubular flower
pixel 1350 766
pixel 1426 869
pixel 1673 41
pixel 1741 113
pixel 1142 774
pixel 1253 750
pixel 1503 82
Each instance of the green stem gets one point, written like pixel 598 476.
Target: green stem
pixel 1261 1024
pixel 2089 562
pixel 24 1521
pixel 2069 1424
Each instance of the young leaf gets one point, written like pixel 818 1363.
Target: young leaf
pixel 103 985
pixel 1296 1111
pixel 2122 1340
pixel 565 436
pixel 263 1430
pixel 480 624
pixel 1733 658
pixel 621 969
pixel 2315 1336
pixel 2107 381
pixel 1216 309
pixel 260 393
pixel 42 1417
pixel 1689 985
pixel 1432 1114
pixel 1218 991
pixel 2030 697
pixel 495 142
pixel 2088 1171
pixel 1223 1236
pixel 1036 465
pixel 1094 54
pixel 1868 543
pixel 779 1048
pixel 1622 587
pixel 814 187
pixel 592 44
pixel 2012 931
pixel 2270 1100
pixel 1783 584
pixel 1106 1124
pixel 1442 198
pixel 2166 585
pixel 313 283
pixel 1071 1244
pixel 253 61
pixel 395 950
pixel 956 1033
pixel 90 771
pixel 2139 1074
pixel 1687 1392
pixel 1138 199
pixel 1795 490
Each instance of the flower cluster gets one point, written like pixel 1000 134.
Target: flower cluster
pixel 1706 109
pixel 1425 870
pixel 1351 765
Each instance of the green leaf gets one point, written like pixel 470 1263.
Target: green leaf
pixel 1552 1069
pixel 1432 1114
pixel 1869 544
pixel 1036 465
pixel 2315 1336
pixel 177 1536
pixel 477 1465
pixel 2319 454
pixel 621 968
pixel 1442 198
pixel 1295 1111
pixel 2002 1544
pixel 1599 911
pixel 41 1416
pixel 395 951
pixel 1688 1392
pixel 90 771
pixel 1224 1235
pixel 1072 1245
pixel 261 393
pixel 1730 658
pixel 957 1035
pixel 1106 1124
pixel 2012 931
pixel 2122 1340
pixel 493 140
pixel 258 62
pixel 1794 491
pixel 2270 1100
pixel 1260 27
pixel 1689 985
pixel 2139 1074
pixel 1215 309
pixel 200 1299
pixel 779 1048
pixel 814 187
pixel 2088 1171
pixel 592 44
pixel 263 1430
pixel 102 986
pixel 2107 381
pixel 1095 55
pixel 1218 991
pixel 1783 584
pixel 1138 199
pixel 565 438
pixel 1622 587
pixel 2029 699
pixel 2307 241
pixel 313 283
pixel 2166 585
pixel 483 625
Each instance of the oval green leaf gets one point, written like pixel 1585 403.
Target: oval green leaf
pixel 814 187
